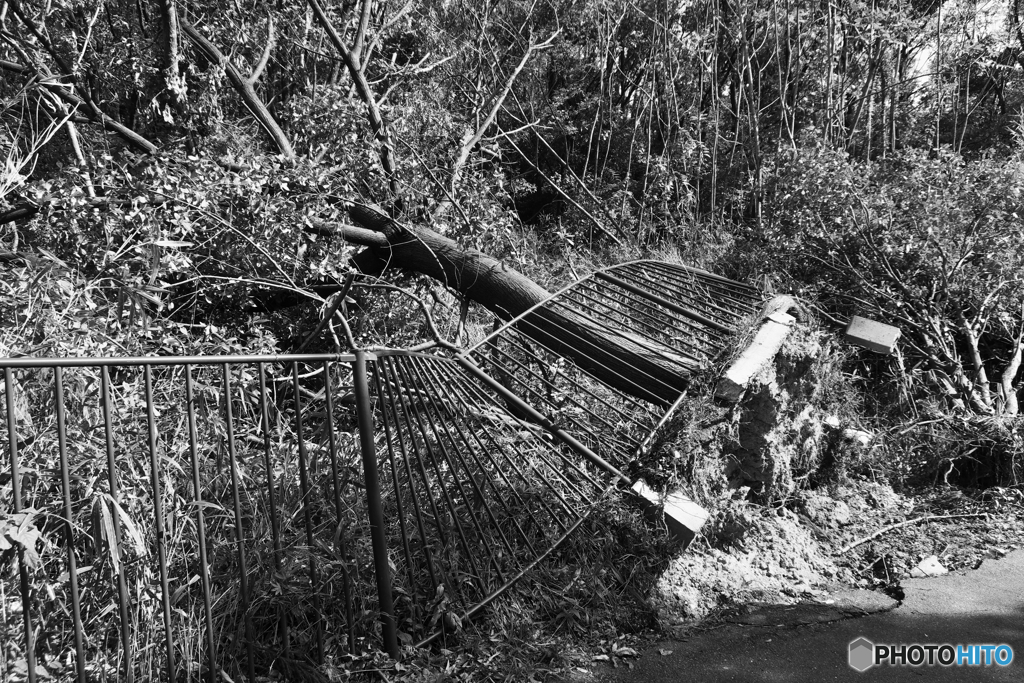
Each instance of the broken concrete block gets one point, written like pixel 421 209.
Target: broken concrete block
pixel 683 517
pixel 762 349
pixel 929 566
pixel 872 335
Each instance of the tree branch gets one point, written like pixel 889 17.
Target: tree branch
pixel 172 50
pixel 350 233
pixel 265 57
pixel 473 139
pixel 364 22
pixel 244 88
pixel 367 53
pixel 377 124
pixel 1011 406
pixel 93 112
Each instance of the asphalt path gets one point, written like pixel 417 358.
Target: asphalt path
pixel 810 643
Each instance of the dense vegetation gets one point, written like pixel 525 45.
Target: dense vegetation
pixel 177 177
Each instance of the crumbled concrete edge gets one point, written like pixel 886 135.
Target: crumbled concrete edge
pixel 776 324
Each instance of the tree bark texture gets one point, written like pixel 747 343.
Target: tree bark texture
pixel 615 359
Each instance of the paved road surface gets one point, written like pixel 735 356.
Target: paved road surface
pixel 984 606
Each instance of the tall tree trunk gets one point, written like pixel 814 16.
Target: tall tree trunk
pixel 171 30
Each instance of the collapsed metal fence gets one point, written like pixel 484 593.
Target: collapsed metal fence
pixel 221 517
pixel 681 317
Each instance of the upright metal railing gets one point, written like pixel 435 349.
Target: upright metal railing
pixel 207 517
pixel 208 511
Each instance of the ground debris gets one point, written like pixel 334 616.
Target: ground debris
pixel 864 535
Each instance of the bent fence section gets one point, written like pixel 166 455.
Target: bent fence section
pixel 217 518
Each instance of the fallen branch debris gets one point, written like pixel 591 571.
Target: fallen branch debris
pixel 883 530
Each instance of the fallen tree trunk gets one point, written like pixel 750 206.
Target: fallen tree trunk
pixel 617 360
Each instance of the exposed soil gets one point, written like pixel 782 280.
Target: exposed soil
pixel 785 473
pixel 796 552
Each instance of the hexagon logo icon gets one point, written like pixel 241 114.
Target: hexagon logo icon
pixel 862 654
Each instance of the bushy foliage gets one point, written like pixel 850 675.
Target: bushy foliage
pixel 930 243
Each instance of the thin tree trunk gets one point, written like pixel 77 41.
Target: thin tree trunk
pixel 172 51
pixel 1011 406
pixel 351 58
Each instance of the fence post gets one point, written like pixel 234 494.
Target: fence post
pixel 375 509
pixel 26 601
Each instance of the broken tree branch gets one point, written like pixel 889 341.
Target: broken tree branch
pixel 350 233
pixel 884 530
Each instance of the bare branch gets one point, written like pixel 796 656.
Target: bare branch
pixel 368 51
pixel 339 300
pixel 377 124
pixel 471 140
pixel 364 22
pixel 244 88
pixel 93 112
pixel 262 64
pixel 434 332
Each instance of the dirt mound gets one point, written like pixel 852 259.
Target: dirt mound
pixel 750 554
pixel 787 474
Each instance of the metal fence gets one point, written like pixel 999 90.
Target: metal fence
pixel 678 317
pixel 196 514
pixel 187 518
pixel 200 516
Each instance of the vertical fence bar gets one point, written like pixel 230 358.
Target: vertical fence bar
pixel 243 569
pixel 115 496
pixel 306 515
pixel 69 537
pixel 204 563
pixel 375 509
pixel 340 533
pixel 396 486
pixel 275 530
pixel 158 514
pixel 26 598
